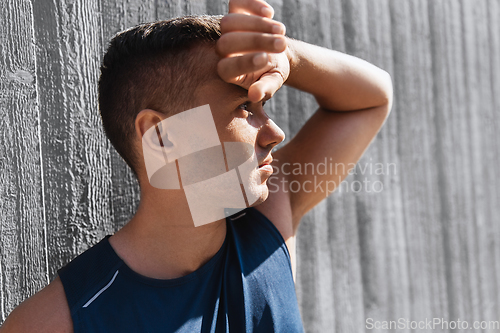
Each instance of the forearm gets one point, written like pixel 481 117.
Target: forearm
pixel 338 81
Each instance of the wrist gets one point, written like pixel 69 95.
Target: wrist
pixel 291 54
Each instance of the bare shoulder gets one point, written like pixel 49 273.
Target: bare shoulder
pixel 278 209
pixel 46 311
pixel 278 205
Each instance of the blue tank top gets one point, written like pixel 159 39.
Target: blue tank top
pixel 246 287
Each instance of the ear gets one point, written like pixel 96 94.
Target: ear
pixel 146 119
pixel 152 151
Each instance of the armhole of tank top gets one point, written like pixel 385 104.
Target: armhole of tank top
pixel 268 222
pixel 65 283
pixel 72 314
pixel 82 296
pixel 77 324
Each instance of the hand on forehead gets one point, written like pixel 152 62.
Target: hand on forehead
pixel 252 7
pixel 252 47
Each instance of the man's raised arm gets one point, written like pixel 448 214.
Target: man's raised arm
pixel 354 97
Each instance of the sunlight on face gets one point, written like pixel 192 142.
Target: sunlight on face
pixel 222 167
pixel 239 120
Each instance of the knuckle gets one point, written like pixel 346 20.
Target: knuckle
pixel 219 50
pixel 247 62
pixel 270 42
pixel 222 69
pixel 221 46
pixel 225 23
pixel 238 66
pixel 240 62
pixel 268 23
pixel 256 39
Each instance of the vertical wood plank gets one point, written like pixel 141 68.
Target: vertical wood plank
pixel 334 16
pixel 452 153
pixel 494 41
pixel 487 279
pixel 76 152
pixel 380 204
pixel 456 200
pixel 477 277
pixel 137 12
pixel 343 239
pixel 168 9
pixel 413 104
pixel 219 7
pixel 23 252
pixel 195 7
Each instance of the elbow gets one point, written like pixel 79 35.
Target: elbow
pixel 387 91
pixel 384 102
pixel 383 108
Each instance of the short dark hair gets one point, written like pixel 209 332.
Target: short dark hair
pixel 152 66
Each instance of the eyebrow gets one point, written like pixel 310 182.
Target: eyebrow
pixel 240 94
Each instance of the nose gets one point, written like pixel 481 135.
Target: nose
pixel 270 135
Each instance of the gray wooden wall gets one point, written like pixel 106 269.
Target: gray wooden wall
pixel 419 239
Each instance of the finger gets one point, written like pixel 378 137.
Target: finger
pixel 241 42
pixel 253 7
pixel 265 87
pixel 242 22
pixel 231 67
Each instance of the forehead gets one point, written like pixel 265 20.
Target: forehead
pixel 216 91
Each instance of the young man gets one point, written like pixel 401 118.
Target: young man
pixel 162 273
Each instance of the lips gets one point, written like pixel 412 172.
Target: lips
pixel 267 161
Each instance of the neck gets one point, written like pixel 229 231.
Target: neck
pixel 161 241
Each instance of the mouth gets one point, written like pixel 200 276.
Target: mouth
pixel 267 161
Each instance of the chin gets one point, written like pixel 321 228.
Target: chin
pixel 262 194
pixel 259 190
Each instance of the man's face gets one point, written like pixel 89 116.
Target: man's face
pixel 238 120
pixel 218 151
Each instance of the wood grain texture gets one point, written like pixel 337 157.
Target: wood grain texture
pixel 380 206
pixel 478 277
pixel 450 124
pixel 416 148
pixel 75 149
pixel 494 40
pixel 427 245
pixel 23 248
pixel 315 280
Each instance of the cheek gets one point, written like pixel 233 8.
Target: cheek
pixel 239 130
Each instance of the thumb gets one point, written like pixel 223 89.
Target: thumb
pixel 266 86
